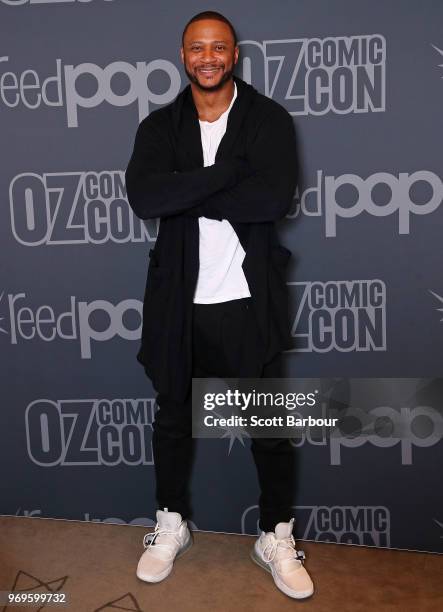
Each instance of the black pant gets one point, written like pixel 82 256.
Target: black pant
pixel 223 334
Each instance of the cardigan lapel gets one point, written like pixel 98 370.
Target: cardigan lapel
pixel 245 95
pixel 188 130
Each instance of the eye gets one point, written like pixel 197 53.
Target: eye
pixel 220 47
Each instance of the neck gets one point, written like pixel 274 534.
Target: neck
pixel 211 104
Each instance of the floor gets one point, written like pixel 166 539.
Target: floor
pixel 95 565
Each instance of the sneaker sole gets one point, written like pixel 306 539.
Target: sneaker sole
pixel 289 592
pixel 165 574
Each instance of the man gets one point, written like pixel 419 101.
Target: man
pixel 218 166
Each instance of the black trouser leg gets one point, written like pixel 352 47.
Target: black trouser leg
pixel 275 462
pixel 172 443
pixel 174 449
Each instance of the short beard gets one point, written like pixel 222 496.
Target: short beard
pixel 225 78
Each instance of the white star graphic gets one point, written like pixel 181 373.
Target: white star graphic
pixel 233 433
pixel 441 53
pixel 438 298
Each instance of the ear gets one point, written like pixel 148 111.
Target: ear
pixel 182 55
pixel 235 55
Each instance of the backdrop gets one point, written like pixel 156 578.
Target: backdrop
pixel 363 81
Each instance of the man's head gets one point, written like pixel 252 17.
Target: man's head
pixel 209 50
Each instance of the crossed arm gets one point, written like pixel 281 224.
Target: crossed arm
pixel 254 190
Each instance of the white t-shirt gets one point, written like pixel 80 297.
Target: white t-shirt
pixel 221 277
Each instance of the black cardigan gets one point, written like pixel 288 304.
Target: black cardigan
pixel 251 184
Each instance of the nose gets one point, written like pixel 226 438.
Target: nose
pixel 207 56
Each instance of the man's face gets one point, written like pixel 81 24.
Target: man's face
pixel 209 54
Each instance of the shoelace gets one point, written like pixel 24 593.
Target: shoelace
pixel 270 549
pixel 150 538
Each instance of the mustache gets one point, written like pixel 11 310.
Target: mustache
pixel 227 75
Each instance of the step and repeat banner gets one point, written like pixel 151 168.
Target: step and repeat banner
pixel 364 84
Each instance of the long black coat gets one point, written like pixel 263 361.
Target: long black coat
pixel 251 184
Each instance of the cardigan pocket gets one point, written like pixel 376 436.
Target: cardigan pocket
pixel 280 255
pixel 156 272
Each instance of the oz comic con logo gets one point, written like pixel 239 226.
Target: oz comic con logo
pixel 315 76
pixel 343 316
pixel 89 432
pixel 61 208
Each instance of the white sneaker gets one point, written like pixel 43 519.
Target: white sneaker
pixel 170 539
pixel 276 553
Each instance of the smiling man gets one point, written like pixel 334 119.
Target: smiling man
pixel 219 167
